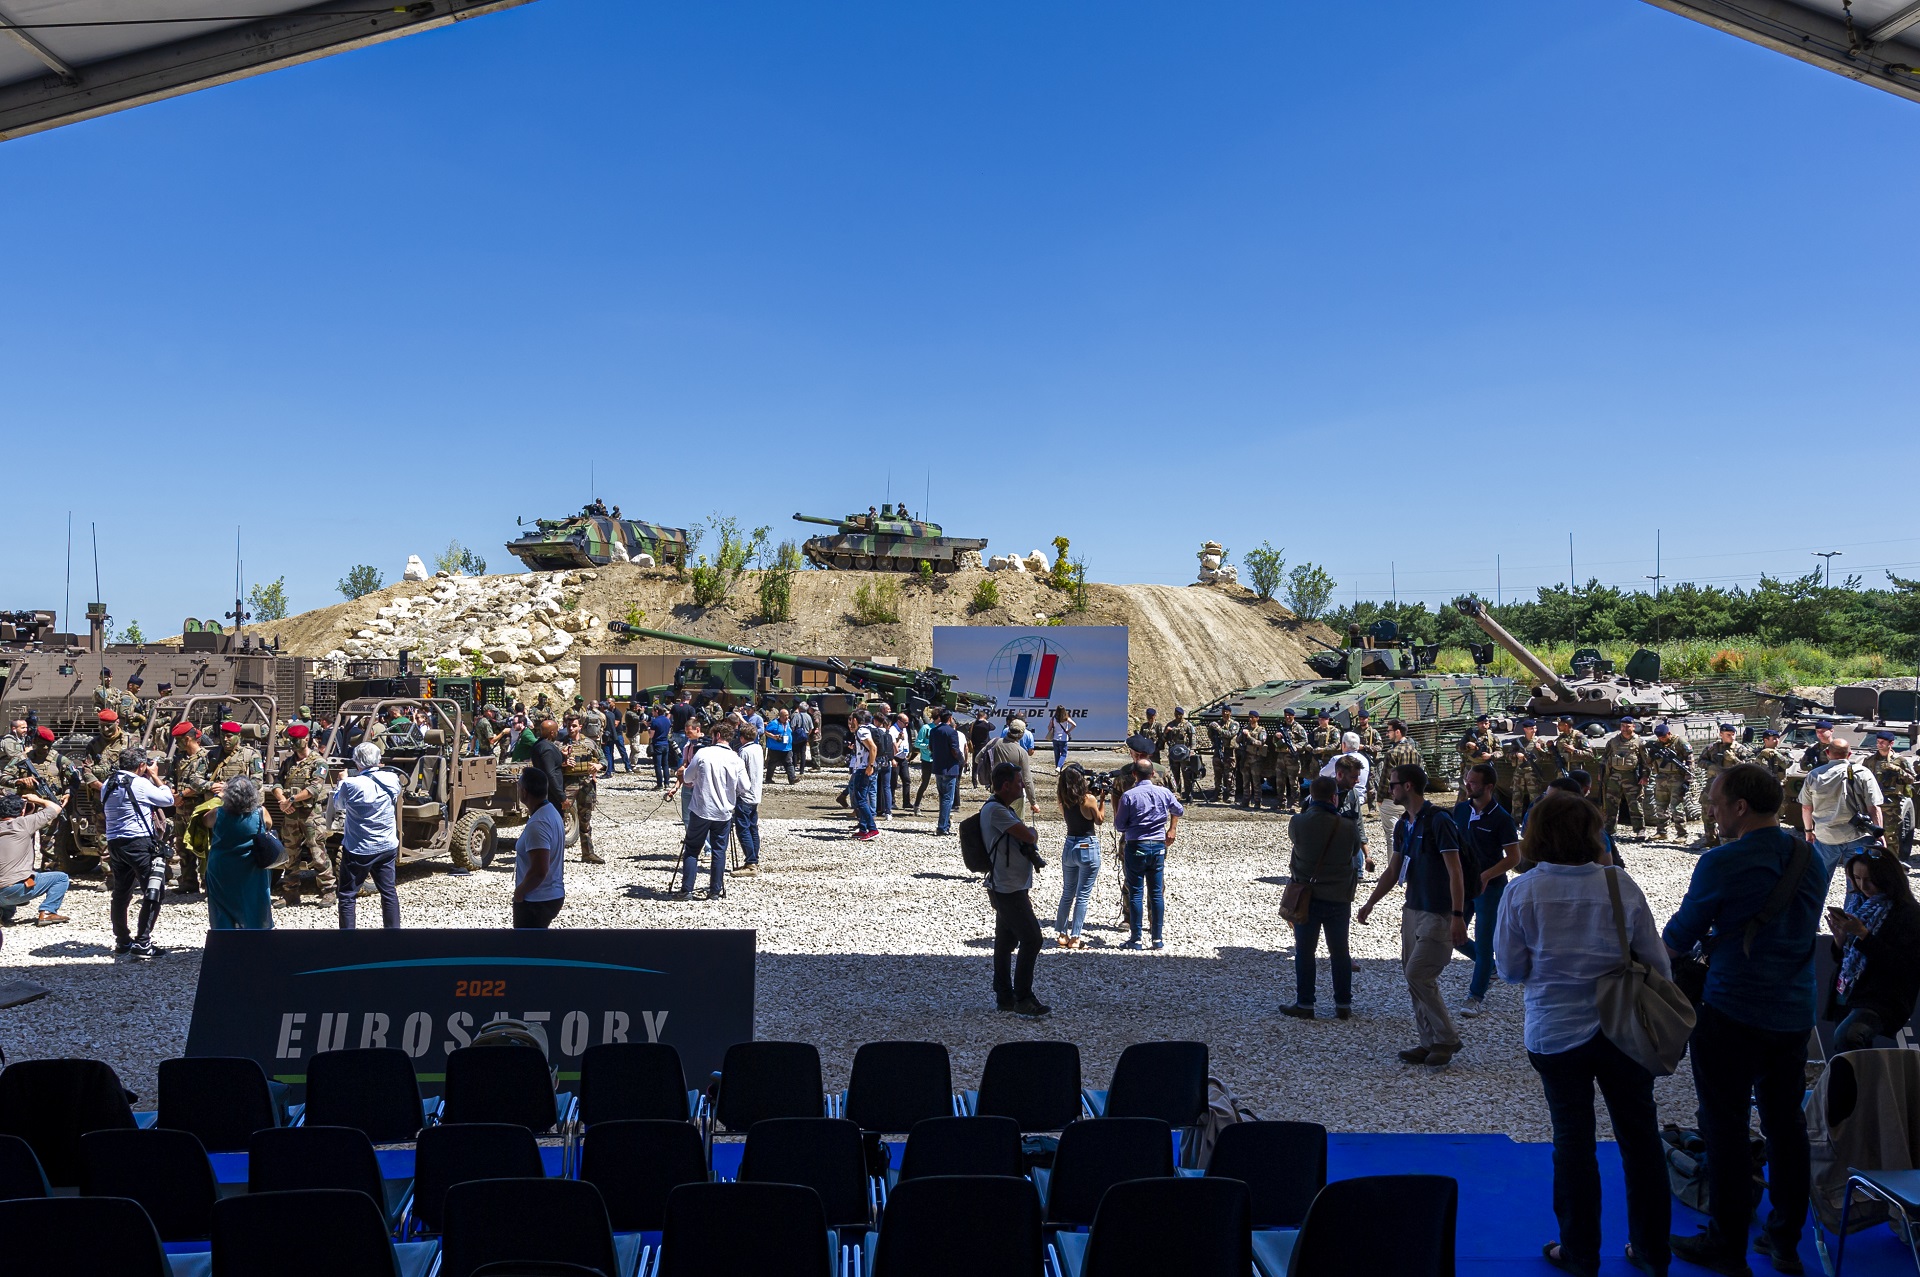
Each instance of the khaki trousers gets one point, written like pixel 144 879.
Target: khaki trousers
pixel 1426 946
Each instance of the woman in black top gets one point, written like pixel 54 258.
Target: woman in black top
pixel 1877 945
pixel 1080 858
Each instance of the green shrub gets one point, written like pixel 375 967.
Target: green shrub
pixel 776 583
pixel 1060 575
pixel 1266 568
pixel 713 580
pixel 986 596
pixel 924 572
pixel 877 602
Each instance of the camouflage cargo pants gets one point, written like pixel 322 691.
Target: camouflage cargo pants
pixel 1222 777
pixel 1706 809
pixel 1527 789
pixel 1670 800
pixel 583 806
pixel 306 849
pixel 1622 790
pixel 1286 780
pixel 1248 779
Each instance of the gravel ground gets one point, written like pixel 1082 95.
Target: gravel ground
pixel 892 939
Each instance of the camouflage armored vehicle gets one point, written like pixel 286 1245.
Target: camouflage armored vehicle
pixel 1389 677
pixel 884 540
pixel 594 538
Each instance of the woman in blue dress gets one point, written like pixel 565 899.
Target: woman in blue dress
pixel 239 896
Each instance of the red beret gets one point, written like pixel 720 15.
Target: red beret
pixel 298 731
pixel 45 734
pixel 108 716
pixel 231 727
pixel 183 729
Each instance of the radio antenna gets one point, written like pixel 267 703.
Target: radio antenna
pixel 96 561
pixel 66 608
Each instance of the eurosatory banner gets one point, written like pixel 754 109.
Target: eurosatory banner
pixel 282 997
pixel 1031 669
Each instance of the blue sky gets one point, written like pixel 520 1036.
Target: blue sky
pixel 1400 292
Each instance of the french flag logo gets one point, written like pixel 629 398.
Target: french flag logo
pixel 1039 673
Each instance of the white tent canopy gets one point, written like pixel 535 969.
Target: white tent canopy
pixel 1876 42
pixel 68 60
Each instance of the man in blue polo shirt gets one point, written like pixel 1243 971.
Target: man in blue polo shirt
pixel 1496 843
pixel 1751 1042
pixel 1426 851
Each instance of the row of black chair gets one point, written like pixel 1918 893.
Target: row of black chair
pixel 940 1226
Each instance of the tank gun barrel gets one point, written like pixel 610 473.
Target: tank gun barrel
pixel 1477 610
pixel 815 518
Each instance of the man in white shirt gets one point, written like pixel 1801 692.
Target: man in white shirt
pixel 1350 748
pixel 716 780
pixel 746 813
pixel 1839 801
pixel 862 767
pixel 539 885
pixel 369 802
pixel 131 801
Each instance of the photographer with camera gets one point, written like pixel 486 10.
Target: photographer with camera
pixel 1010 842
pixel 1839 807
pixel 131 800
pixel 19 884
pixel 1083 803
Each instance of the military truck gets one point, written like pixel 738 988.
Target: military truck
pixel 887 541
pixel 593 539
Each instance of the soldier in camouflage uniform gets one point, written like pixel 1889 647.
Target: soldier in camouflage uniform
pixel 1325 740
pixel 1779 763
pixel 1670 762
pixel 1624 762
pixel 106 696
pixel 300 793
pixel 1289 747
pixel 1370 748
pixel 1401 751
pixel 1476 746
pixel 41 769
pixel 1182 759
pixel 13 744
pixel 1253 760
pixel 104 750
pixel 583 765
pixel 1223 736
pixel 233 758
pixel 1572 750
pixel 190 789
pixel 1153 731
pixel 1531 763
pixel 1717 757
pixel 1894 774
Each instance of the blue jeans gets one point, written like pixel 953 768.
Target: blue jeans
pixel 1079 866
pixel 1146 868
pixel 613 740
pixel 49 883
pixel 1835 855
pixel 949 795
pixel 746 827
pixel 1059 754
pixel 710 835
pixel 883 786
pixel 862 787
pixel 1335 916
pixel 662 763
pixel 1486 909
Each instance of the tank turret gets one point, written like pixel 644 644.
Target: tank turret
pixel 886 540
pixel 593 540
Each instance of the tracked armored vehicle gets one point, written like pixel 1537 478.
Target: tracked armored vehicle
pixel 593 539
pixel 886 541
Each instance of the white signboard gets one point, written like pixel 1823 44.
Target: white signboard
pixel 1031 669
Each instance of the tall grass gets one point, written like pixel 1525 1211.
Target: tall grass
pixel 1777 667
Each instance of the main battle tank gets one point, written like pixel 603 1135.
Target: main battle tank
pixel 592 539
pixel 885 541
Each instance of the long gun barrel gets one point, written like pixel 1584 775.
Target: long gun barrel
pixel 1475 609
pixel 814 518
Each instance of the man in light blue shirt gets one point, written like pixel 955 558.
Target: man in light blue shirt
pixel 369 801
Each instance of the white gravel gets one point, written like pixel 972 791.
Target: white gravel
pixel 891 939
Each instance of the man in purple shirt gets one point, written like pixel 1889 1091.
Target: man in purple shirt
pixel 1147 818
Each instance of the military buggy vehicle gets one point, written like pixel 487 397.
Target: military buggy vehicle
pixel 593 539
pixel 884 541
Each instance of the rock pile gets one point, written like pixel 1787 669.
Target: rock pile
pixel 1035 562
pixel 1212 570
pixel 523 627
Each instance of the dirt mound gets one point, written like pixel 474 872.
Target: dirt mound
pixel 1186 644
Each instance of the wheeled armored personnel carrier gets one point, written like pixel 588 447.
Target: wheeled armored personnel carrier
pixel 593 539
pixel 886 540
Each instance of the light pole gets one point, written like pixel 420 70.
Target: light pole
pixel 1829 556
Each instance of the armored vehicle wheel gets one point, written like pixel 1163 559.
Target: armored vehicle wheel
pixel 571 823
pixel 475 832
pixel 833 743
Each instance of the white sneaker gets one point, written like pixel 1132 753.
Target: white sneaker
pixel 1473 1008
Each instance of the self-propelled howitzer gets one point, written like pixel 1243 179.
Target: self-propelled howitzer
pixel 910 689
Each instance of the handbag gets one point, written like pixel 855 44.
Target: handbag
pixel 1642 1012
pixel 267 851
pixel 1298 896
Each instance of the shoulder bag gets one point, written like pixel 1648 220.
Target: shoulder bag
pixel 1298 896
pixel 1641 1011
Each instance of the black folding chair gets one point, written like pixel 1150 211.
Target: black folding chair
pixel 222 1099
pixel 962 1146
pixel 372 1089
pixel 449 1155
pixel 20 1173
pixel 723 1230
pixel 1037 1084
pixel 310 1232
pixel 51 1103
pixel 1283 1164
pixel 499 1084
pixel 85 1236
pixel 1095 1155
pixel 1167 1080
pixel 960 1226
pixel 759 1080
pixel 167 1172
pixel 627 1081
pixel 295 1158
pixel 822 1153
pixel 895 1085
pixel 1194 1227
pixel 636 1164
pixel 1342 1233
pixel 492 1221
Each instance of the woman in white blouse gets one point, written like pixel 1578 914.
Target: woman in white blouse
pixel 1556 936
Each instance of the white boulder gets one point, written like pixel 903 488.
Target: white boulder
pixel 1037 563
pixel 643 560
pixel 416 570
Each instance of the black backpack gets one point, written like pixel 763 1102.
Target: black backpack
pixel 974 852
pixel 1471 863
